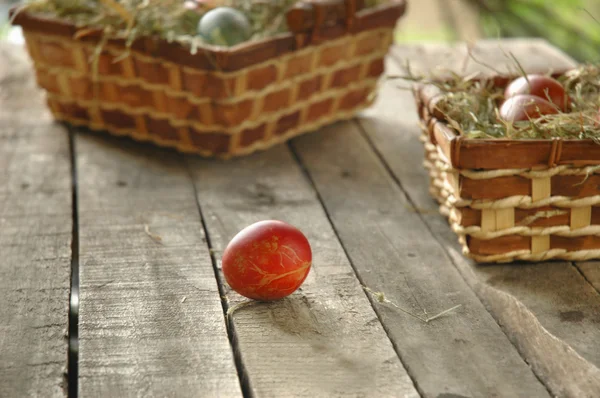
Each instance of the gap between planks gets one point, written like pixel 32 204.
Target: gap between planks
pixel 436 237
pixel 137 334
pixel 584 276
pixel 374 303
pixel 35 236
pixel 325 339
pixel 527 352
pixel 73 355
pixel 374 220
pixel 237 356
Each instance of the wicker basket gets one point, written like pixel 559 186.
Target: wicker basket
pixel 218 102
pixel 510 200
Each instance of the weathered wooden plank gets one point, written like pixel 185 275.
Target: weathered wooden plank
pixel 591 271
pixel 151 321
pixel 35 236
pixel 548 310
pixel 488 57
pixel 394 252
pixel 324 340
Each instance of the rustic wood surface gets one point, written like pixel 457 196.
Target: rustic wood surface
pixel 591 272
pixel 488 57
pixel 372 218
pixel 35 236
pixel 152 225
pixel 539 306
pixel 325 340
pixel 150 315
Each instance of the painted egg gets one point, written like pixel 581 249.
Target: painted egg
pixel 267 260
pixel 524 107
pixel 541 86
pixel 224 26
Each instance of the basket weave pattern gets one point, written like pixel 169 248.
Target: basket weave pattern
pixel 209 112
pixel 510 214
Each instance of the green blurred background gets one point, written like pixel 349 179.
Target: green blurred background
pixel 572 25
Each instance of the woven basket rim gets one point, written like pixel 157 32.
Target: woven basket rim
pixel 466 153
pixel 222 58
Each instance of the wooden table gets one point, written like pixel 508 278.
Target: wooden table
pixel 138 232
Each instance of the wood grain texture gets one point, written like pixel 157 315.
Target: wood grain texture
pixel 151 321
pixel 548 310
pixel 35 236
pixel 394 252
pixel 489 57
pixel 591 272
pixel 324 340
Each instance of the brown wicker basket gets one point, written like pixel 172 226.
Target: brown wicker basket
pixel 509 200
pixel 218 102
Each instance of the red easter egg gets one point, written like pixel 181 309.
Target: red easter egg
pixel 544 87
pixel 525 107
pixel 267 260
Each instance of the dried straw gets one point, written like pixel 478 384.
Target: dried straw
pixel 169 19
pixel 470 106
